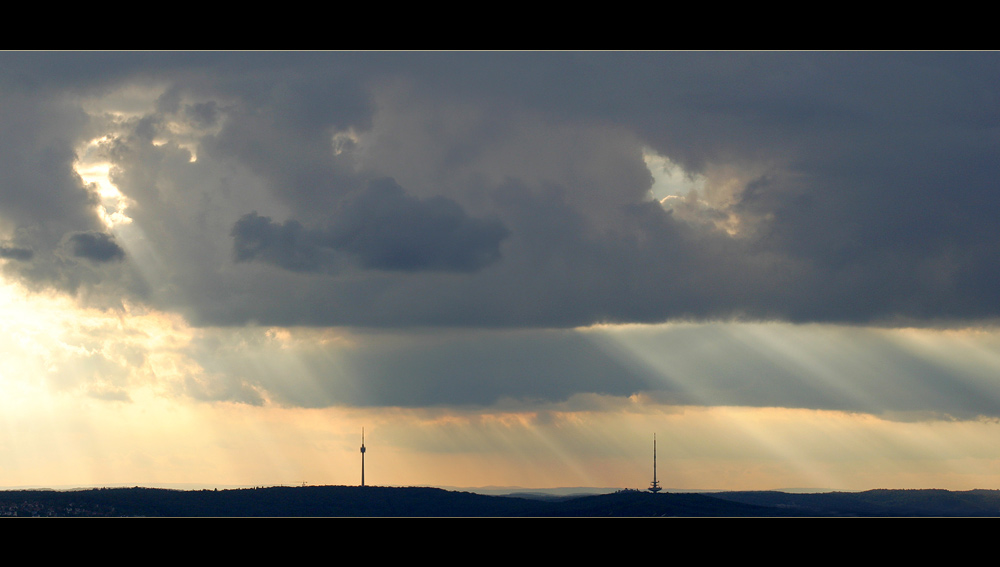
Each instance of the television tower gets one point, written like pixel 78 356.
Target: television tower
pixel 362 456
pixel 654 486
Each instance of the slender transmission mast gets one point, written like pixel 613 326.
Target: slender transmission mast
pixel 363 456
pixel 654 486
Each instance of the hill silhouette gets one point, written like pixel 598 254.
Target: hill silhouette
pixel 353 501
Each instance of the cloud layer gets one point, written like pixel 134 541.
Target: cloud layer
pixel 508 189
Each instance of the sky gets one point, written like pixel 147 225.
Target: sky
pixel 507 268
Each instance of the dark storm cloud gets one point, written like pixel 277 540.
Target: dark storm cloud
pixel 96 246
pixel 14 253
pixel 381 229
pixel 852 187
pixel 856 214
pixel 386 229
pixel 288 245
pixel 205 114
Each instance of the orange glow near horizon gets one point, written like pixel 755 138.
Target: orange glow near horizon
pixel 92 398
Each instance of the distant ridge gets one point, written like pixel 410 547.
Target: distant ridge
pixel 353 501
pixel 878 502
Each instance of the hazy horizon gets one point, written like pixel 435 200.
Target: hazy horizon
pixel 509 268
pixel 487 490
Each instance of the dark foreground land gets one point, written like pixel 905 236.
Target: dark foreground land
pixel 352 501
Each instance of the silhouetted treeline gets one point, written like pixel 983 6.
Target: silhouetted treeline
pixel 352 501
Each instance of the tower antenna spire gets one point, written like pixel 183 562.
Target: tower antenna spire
pixel 654 486
pixel 362 456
